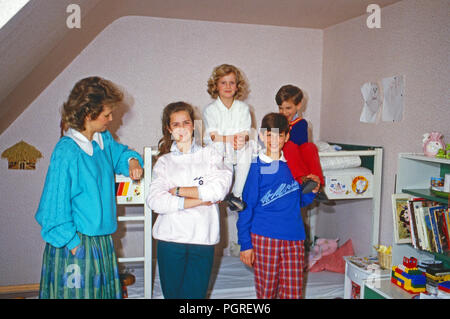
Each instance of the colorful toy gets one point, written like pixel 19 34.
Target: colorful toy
pixel 441 153
pixel 444 153
pixel 408 276
pixel 437 273
pixel 432 143
pixel 444 286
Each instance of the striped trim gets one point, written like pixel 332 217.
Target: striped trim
pixel 122 188
pixel 292 123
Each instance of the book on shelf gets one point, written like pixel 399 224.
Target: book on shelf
pixel 429 225
pixel 441 227
pixel 429 230
pixel 413 205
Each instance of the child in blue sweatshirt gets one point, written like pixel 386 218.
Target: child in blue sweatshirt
pixel 270 230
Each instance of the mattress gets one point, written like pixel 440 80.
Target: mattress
pixel 349 183
pixel 338 162
pixel 231 279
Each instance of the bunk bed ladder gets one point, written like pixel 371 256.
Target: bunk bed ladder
pixel 147 220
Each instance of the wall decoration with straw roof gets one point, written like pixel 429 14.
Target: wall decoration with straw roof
pixel 22 156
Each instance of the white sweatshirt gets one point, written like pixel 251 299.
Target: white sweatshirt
pixel 204 168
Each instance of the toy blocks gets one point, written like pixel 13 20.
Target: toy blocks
pixel 409 277
pixel 444 286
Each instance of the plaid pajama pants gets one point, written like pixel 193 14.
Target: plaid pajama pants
pixel 278 267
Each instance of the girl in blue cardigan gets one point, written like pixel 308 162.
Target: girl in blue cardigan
pixel 77 210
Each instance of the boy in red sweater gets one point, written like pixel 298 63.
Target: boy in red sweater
pixel 302 156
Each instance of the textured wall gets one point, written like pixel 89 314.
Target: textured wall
pixel 156 61
pixel 413 41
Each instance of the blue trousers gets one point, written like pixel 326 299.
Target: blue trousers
pixel 184 269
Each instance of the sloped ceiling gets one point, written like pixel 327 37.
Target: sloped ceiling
pixel 36 45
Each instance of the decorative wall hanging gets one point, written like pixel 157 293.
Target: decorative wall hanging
pixel 22 156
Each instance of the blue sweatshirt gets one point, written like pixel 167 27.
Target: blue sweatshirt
pixel 273 200
pixel 79 190
pixel 299 131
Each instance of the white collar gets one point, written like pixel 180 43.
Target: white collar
pixel 223 105
pixel 176 151
pixel 266 159
pixel 83 141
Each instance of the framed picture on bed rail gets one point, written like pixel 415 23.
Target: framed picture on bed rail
pixel 402 228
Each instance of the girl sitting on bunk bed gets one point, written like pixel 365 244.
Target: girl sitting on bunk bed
pixel 227 126
pixel 270 230
pixel 188 182
pixel 77 210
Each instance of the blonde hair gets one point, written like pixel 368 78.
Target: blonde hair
pixel 223 70
pixel 88 97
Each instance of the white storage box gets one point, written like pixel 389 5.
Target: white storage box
pixel 349 183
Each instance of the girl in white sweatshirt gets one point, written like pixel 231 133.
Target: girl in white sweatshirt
pixel 188 182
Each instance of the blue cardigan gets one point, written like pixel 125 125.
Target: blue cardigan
pixel 273 200
pixel 79 190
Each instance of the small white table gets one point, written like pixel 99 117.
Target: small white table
pixel 384 288
pixel 358 275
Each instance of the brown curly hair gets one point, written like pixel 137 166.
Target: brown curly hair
pixel 88 97
pixel 223 70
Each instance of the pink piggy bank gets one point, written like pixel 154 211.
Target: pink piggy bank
pixel 432 143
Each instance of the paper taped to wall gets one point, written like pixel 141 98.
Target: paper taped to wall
pixel 393 90
pixel 370 93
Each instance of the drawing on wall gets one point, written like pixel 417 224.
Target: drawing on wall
pixel 393 91
pixel 22 156
pixel 370 92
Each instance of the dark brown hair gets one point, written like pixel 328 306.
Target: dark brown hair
pixel 288 92
pixel 88 97
pixel 275 121
pixel 165 143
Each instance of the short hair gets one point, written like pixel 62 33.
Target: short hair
pixel 88 97
pixel 288 92
pixel 275 121
pixel 222 70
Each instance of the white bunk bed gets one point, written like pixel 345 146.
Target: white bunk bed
pixel 354 172
pixel 230 278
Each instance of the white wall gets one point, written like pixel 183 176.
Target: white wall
pixel 156 61
pixel 413 41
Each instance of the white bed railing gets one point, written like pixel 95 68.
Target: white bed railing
pixel 149 152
